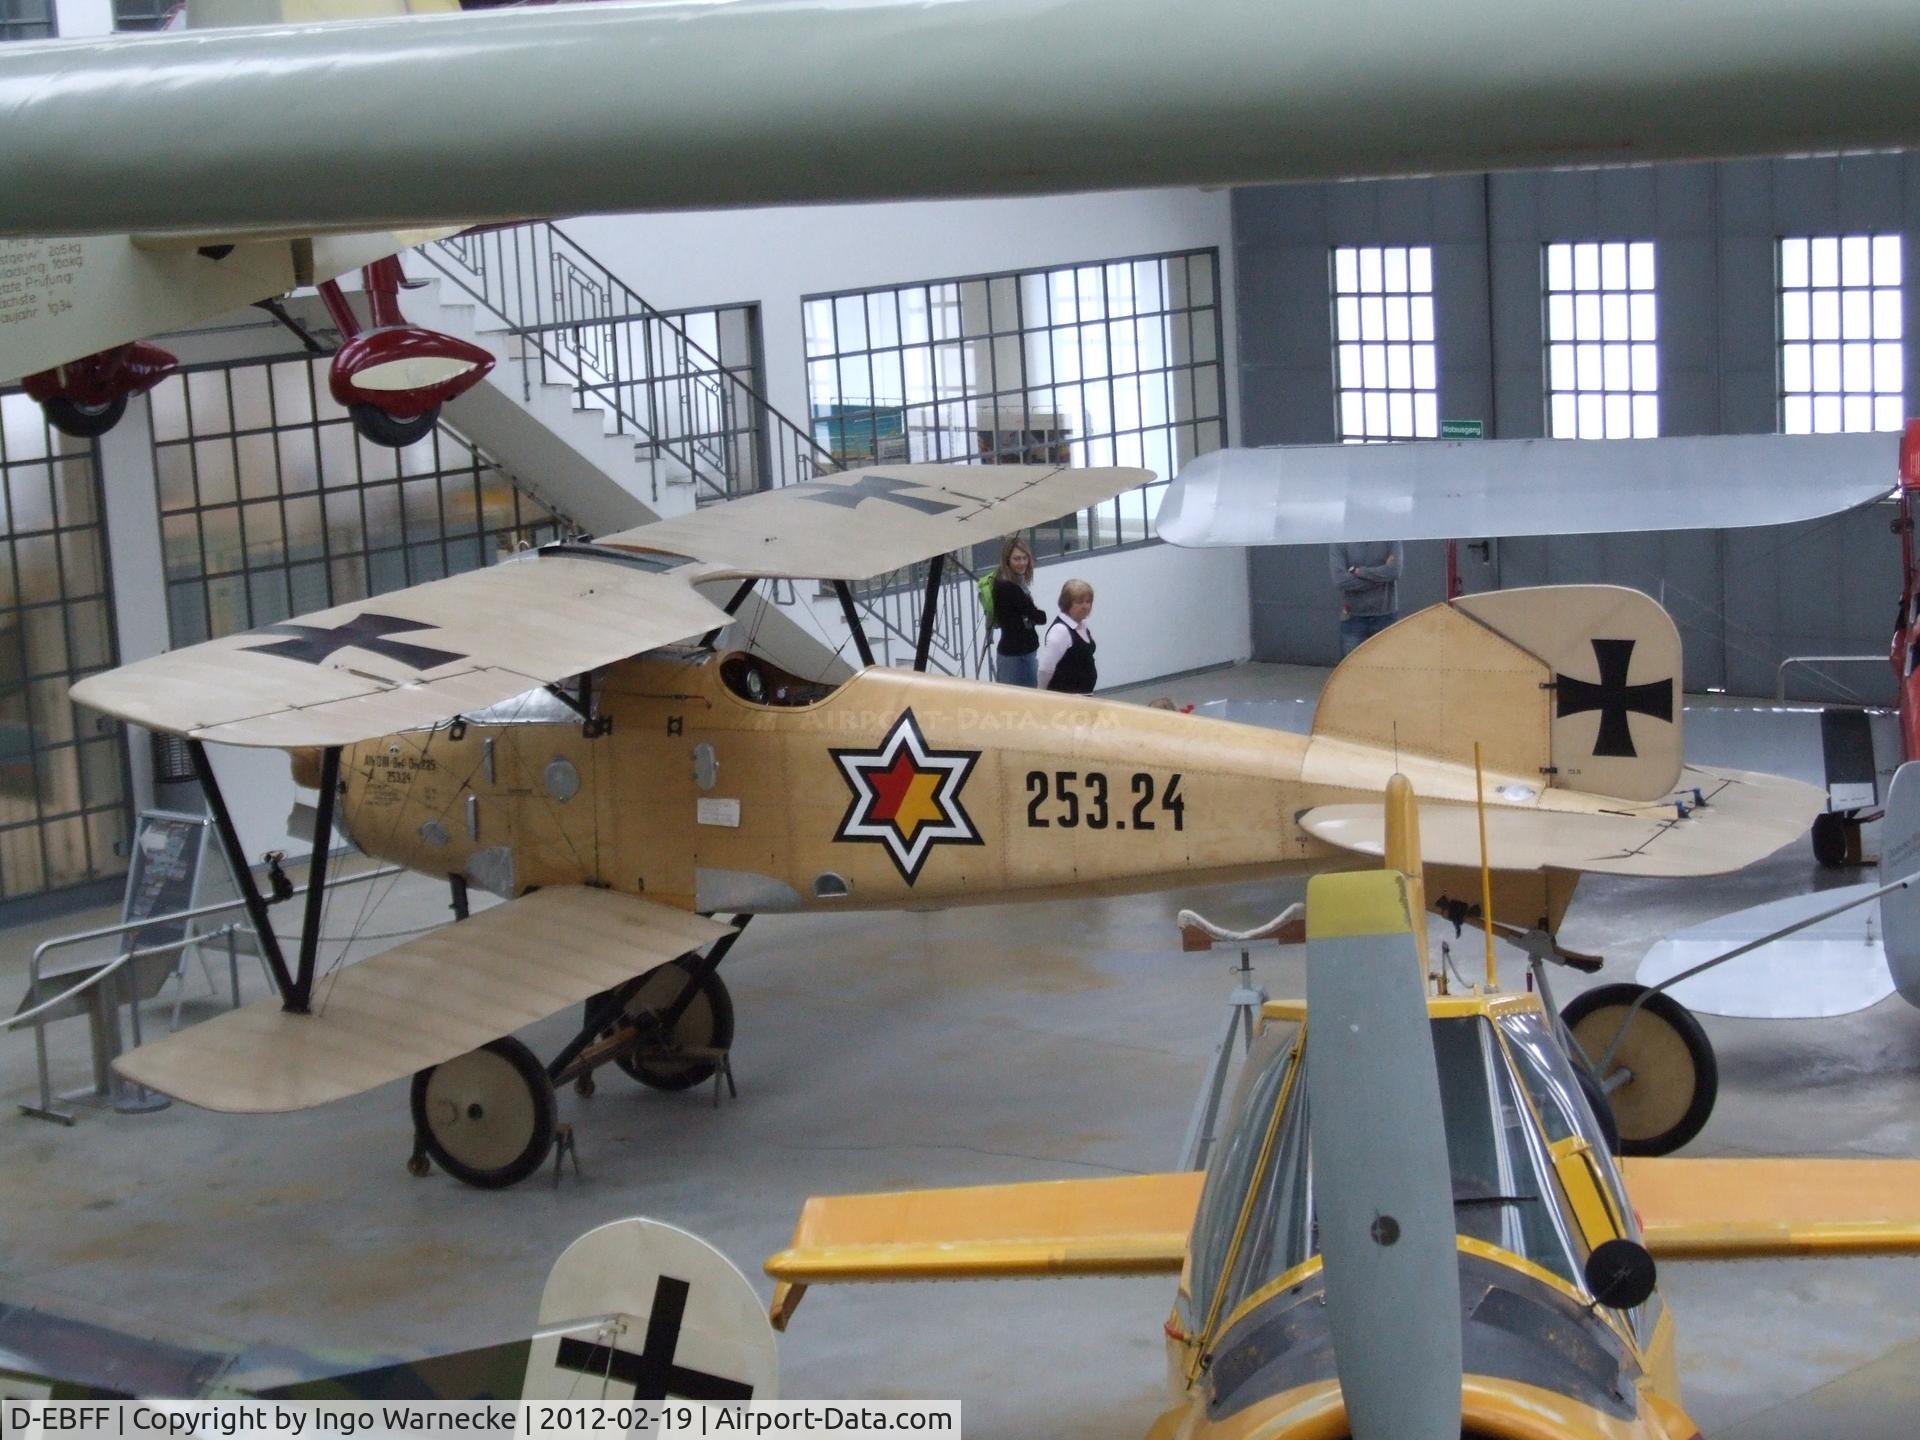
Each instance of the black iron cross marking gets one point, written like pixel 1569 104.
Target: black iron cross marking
pixel 652 1373
pixel 1614 698
pixel 877 487
pixel 314 644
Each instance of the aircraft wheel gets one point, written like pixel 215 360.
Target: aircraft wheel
pixel 486 1116
pixel 377 425
pixel 1601 1106
pixel 707 1023
pixel 1674 1077
pixel 84 422
pixel 1830 839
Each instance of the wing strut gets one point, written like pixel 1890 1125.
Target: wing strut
pixel 243 872
pixel 928 610
pixel 316 876
pixel 841 588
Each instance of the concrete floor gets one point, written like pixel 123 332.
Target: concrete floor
pixel 880 1051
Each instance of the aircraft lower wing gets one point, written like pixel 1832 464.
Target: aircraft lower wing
pixel 408 658
pixel 1130 1225
pixel 1717 1209
pixel 1343 494
pixel 869 521
pixel 420 1003
pixel 1746 817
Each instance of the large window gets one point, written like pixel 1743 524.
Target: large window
pixel 271 505
pixel 63 785
pixel 1842 356
pixel 1110 363
pixel 142 14
pixel 1603 359
pixel 1386 375
pixel 27 20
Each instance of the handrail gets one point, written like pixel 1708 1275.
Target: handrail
pixel 1780 671
pixel 624 356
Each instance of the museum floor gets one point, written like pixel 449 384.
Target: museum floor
pixel 883 1051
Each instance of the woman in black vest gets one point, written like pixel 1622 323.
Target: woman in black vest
pixel 1017 617
pixel 1066 656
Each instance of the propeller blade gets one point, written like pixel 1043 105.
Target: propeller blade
pixel 1383 1191
pixel 1900 857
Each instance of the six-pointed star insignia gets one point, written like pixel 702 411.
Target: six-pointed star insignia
pixel 906 796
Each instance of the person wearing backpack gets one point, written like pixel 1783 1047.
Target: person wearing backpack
pixel 1018 619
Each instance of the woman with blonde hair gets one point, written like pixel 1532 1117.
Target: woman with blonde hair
pixel 1017 616
pixel 1066 658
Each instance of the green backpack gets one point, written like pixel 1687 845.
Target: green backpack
pixel 986 598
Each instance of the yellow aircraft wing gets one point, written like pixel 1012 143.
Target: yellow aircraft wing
pixel 420 1003
pixel 408 658
pixel 1725 1209
pixel 869 521
pixel 1128 1225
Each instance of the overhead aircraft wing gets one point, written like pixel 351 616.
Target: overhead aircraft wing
pixel 1727 1209
pixel 408 658
pixel 1747 817
pixel 869 521
pixel 1442 490
pixel 653 106
pixel 420 1003
pixel 1130 1225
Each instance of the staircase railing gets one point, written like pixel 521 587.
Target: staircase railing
pixel 655 382
pixel 892 604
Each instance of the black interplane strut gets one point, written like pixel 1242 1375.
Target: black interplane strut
pixel 1614 698
pixel 877 487
pixel 315 643
pixel 652 1373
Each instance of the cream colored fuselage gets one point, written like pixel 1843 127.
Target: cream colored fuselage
pixel 701 798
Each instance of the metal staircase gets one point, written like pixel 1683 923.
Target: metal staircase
pixel 668 422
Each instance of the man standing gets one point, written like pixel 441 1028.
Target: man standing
pixel 1367 577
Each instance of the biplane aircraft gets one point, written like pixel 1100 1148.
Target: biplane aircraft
pixel 1412 1228
pixel 565 732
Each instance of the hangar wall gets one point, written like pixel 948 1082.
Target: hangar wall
pixel 1744 599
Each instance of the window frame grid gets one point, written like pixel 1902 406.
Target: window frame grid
pixel 1785 397
pixel 100 827
pixel 16 25
pixel 1006 312
pixel 1361 345
pixel 1630 347
pixel 260 591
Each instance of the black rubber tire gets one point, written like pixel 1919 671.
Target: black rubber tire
pixel 84 422
pixel 377 425
pixel 708 1023
pixel 1830 839
pixel 1598 1102
pixel 448 1113
pixel 1675 1065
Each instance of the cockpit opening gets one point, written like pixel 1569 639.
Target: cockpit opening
pixel 760 682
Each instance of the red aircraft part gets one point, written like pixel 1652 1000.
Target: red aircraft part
pixel 98 380
pixel 405 371
pixel 1906 634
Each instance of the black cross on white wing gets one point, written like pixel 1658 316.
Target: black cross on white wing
pixel 314 644
pixel 1614 698
pixel 652 1372
pixel 874 487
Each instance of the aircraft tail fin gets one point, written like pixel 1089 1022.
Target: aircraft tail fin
pixel 1578 684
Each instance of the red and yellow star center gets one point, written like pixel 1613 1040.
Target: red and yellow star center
pixel 906 796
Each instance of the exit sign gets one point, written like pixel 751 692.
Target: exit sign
pixel 1463 430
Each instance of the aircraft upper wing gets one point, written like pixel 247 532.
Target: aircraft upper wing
pixel 869 521
pixel 1337 494
pixel 1746 816
pixel 420 1003
pixel 408 658
pixel 1129 1225
pixel 1726 1209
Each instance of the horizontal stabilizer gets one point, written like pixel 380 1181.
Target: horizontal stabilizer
pixel 1131 1225
pixel 1731 1209
pixel 1747 816
pixel 866 522
pixel 408 658
pixel 1344 494
pixel 420 1003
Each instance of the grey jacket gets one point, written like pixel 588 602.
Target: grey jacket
pixel 1374 590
